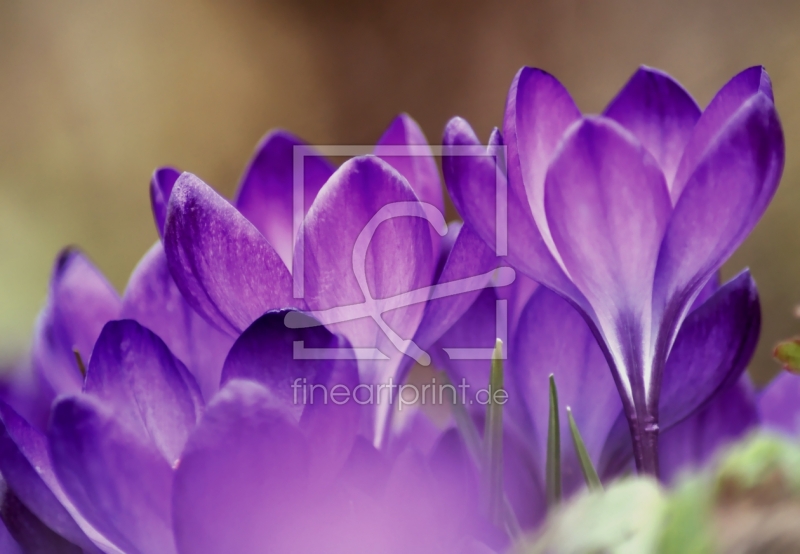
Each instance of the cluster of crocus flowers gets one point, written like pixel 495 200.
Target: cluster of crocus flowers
pixel 177 418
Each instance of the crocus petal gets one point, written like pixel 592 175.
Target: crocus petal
pixel 692 442
pixel 553 338
pixel 160 190
pixel 153 299
pixel 150 390
pixel 26 468
pixel 7 542
pixel 344 271
pixel 539 110
pixel 712 350
pixel 474 176
pixel 721 203
pixel 659 112
pixel 80 302
pixel 121 485
pixel 30 533
pixel 268 352
pixel 221 263
pixel 608 206
pixel 779 404
pixel 265 196
pixel 241 483
pixel 723 107
pixel 405 148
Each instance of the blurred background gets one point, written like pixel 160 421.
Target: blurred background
pixel 95 94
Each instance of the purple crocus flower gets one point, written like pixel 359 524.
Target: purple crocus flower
pixel 704 402
pixel 627 214
pixel 234 262
pixel 779 404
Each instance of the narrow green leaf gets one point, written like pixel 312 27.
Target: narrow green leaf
pixel 493 438
pixel 79 361
pixel 553 469
pixel 589 473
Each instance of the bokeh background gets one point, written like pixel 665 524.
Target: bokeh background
pixel 95 94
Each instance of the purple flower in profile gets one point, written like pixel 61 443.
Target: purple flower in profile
pixel 628 214
pixel 779 404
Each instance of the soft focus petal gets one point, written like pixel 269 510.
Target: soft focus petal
pixel 723 107
pixel 153 299
pixel 265 196
pixel 473 177
pixel 222 264
pixel 396 258
pixel 539 111
pixel 160 190
pixel 80 302
pixel 723 199
pixel 21 531
pixel 779 404
pixel 121 485
pixel 659 112
pixel 691 443
pixel 552 337
pixel 241 484
pixel 150 390
pixel 7 542
pixel 26 468
pixel 712 350
pixel 267 352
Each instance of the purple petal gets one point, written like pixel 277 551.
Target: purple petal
pixel 539 111
pixel 396 259
pixel 153 299
pixel 779 404
pixel 121 485
pixel 405 148
pixel 221 263
pixel 265 195
pixel 7 542
pixel 241 485
pixel 721 203
pixel 79 303
pixel 691 443
pixel 266 352
pixel 26 468
pixel 712 350
pixel 150 390
pixel 718 114
pixel 21 531
pixel 160 190
pixel 552 337
pixel 659 112
pixel 473 178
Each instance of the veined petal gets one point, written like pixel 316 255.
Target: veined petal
pixel 152 298
pixel 221 263
pixel 712 350
pixel 553 338
pixel 539 110
pixel 367 237
pixel 79 303
pixel 26 468
pixel 726 103
pixel 474 176
pixel 265 195
pixel 161 184
pixel 721 203
pixel 241 485
pixel 692 442
pixel 659 112
pixel 150 390
pixel 121 485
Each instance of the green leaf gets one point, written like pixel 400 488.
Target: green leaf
pixel 788 354
pixel 553 470
pixel 493 438
pixel 589 473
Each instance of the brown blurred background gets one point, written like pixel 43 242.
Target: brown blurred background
pixel 95 94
